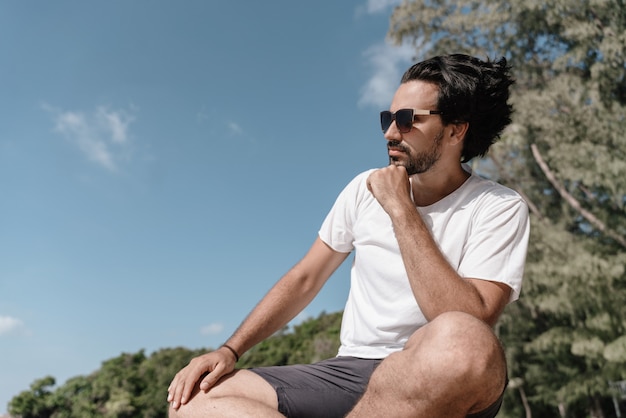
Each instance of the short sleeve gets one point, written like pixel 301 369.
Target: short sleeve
pixel 498 241
pixel 337 229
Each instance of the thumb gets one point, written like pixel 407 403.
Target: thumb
pixel 212 378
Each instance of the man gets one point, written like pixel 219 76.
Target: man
pixel 439 252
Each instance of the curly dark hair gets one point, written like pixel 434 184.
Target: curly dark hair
pixel 470 90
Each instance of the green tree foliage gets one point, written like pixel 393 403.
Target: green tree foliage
pixel 313 340
pixel 36 402
pixel 566 154
pixel 135 385
pixel 131 385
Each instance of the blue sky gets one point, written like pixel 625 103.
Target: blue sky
pixel 163 163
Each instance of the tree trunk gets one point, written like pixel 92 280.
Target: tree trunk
pixel 596 408
pixel 529 413
pixel 572 201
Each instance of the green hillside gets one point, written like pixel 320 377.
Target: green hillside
pixel 135 384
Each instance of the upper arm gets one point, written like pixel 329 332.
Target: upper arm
pixel 325 258
pixel 494 297
pixel 319 263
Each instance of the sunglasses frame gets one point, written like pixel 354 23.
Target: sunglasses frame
pixel 405 126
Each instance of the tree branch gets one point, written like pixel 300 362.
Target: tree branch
pixel 598 224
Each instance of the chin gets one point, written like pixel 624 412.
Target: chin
pixel 399 163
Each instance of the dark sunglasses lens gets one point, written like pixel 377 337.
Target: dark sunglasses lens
pixel 404 120
pixel 385 120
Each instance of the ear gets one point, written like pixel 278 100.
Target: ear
pixel 457 132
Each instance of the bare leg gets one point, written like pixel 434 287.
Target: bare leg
pixel 241 394
pixel 452 367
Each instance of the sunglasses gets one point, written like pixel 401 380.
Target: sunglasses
pixel 404 118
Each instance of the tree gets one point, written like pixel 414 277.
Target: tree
pixel 135 385
pixel 312 340
pixel 36 402
pixel 566 154
pixel 157 372
pixel 130 385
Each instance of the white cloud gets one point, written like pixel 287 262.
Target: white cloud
pixel 9 324
pixel 116 122
pixel 102 136
pixel 212 329
pixel 202 115
pixel 234 128
pixel 378 6
pixel 388 63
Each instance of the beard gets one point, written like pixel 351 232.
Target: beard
pixel 420 162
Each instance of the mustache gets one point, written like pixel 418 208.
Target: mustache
pixel 396 145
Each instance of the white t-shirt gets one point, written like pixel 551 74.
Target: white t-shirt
pixel 482 228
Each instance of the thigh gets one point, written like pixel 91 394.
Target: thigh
pixel 241 393
pixel 239 384
pixel 327 389
pixel 491 411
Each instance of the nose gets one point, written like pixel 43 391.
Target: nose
pixel 393 133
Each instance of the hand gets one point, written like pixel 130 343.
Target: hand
pixel 391 187
pixel 206 369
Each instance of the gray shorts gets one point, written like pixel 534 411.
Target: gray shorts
pixel 326 389
pixel 329 388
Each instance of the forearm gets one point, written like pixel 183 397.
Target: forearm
pixel 281 304
pixel 288 297
pixel 437 287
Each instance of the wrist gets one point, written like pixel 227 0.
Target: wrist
pixel 232 350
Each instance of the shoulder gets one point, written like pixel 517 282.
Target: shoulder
pixel 491 190
pixel 497 204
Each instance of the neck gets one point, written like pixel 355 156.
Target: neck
pixel 433 185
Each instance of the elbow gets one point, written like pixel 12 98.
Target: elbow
pixel 491 314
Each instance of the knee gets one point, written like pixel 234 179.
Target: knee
pixel 455 363
pixel 174 413
pixel 457 346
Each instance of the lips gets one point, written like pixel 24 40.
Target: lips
pixel 394 152
pixel 395 149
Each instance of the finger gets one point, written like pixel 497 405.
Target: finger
pixel 170 389
pixel 212 378
pixel 177 395
pixel 187 389
pixel 183 388
pixel 371 180
pixel 207 382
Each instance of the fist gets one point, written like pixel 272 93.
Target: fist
pixel 390 186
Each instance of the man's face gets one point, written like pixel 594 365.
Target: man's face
pixel 419 149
